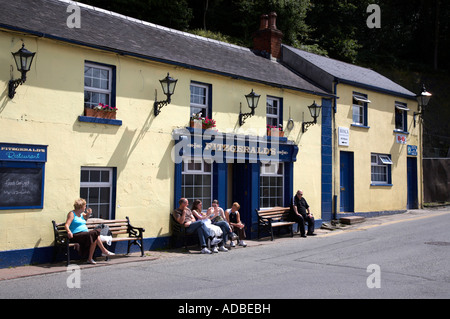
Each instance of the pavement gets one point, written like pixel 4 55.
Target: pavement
pixel 328 229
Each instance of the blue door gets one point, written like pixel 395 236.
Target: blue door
pixel 246 193
pixel 413 202
pixel 346 182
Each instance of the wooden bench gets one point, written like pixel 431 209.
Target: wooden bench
pixel 178 231
pixel 268 219
pixel 117 227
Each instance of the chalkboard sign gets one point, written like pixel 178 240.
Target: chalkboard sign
pixel 21 187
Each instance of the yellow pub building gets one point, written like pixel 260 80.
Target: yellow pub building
pixel 88 114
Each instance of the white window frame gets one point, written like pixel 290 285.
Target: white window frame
pixel 380 166
pixel 200 170
pixel 271 170
pixel 194 106
pixel 271 117
pixel 403 109
pixel 96 89
pixel 99 185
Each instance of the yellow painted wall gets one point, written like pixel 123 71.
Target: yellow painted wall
pixel 45 111
pixel 379 138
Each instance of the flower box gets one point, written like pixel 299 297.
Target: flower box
pixel 204 123
pixel 275 132
pixel 101 111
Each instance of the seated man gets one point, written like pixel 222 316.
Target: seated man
pixel 183 215
pixel 300 213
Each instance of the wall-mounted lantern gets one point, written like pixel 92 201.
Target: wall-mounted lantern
pixel 23 59
pixel 168 85
pixel 423 98
pixel 314 109
pixel 252 101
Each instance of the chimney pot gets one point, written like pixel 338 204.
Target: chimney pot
pixel 264 22
pixel 273 21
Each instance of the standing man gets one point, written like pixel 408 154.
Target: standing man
pixel 183 215
pixel 300 213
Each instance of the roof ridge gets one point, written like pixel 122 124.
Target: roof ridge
pixel 153 25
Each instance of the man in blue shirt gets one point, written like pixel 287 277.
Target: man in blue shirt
pixel 300 213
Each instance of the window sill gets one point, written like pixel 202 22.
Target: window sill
pixel 90 119
pixel 401 132
pixel 383 185
pixel 360 125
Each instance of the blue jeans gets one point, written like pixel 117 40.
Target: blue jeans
pixel 202 231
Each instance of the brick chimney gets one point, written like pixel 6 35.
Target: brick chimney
pixel 267 40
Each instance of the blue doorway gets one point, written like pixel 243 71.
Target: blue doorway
pixel 346 182
pixel 246 193
pixel 413 202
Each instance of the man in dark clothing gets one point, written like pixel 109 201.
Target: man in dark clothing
pixel 300 213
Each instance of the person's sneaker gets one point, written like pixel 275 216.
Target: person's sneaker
pixel 232 244
pixel 206 251
pixel 215 250
pixel 215 241
pixel 223 248
pixel 242 243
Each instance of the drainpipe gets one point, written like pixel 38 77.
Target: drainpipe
pixel 335 149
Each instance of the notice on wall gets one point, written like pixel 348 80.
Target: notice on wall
pixel 400 138
pixel 344 136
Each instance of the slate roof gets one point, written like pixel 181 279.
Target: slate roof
pixel 349 73
pixel 114 32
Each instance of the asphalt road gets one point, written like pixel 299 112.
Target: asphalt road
pixel 398 259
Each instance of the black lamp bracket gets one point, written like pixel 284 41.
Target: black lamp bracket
pixel 244 116
pixel 305 125
pixel 158 105
pixel 13 84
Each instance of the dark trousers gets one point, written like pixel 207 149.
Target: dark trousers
pixel 301 219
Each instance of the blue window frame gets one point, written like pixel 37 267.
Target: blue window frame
pixel 99 84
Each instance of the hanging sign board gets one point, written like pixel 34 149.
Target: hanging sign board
pixel 344 136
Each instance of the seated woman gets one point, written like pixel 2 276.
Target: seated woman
pixel 78 232
pixel 197 211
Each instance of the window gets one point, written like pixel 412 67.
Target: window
pixel 272 185
pixel 97 85
pixel 273 111
pixel 199 99
pixel 359 113
pixel 96 187
pixel 401 116
pixel 380 168
pixel 197 182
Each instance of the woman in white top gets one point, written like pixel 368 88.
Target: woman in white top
pixel 197 211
